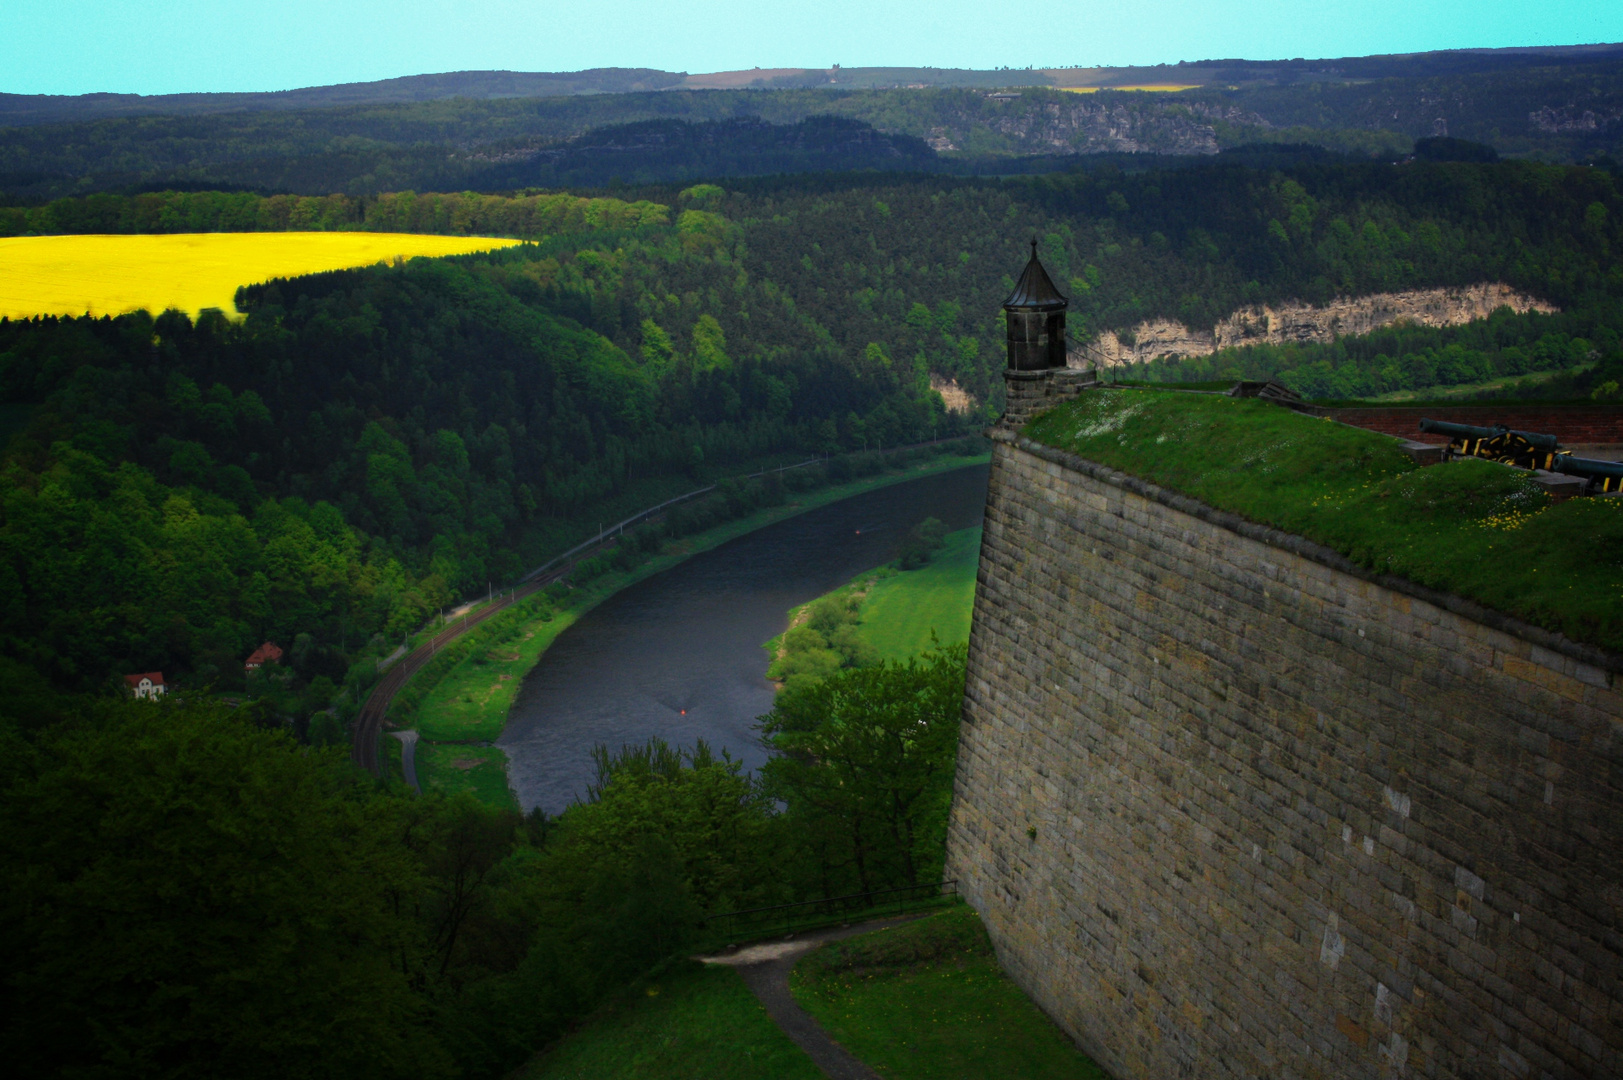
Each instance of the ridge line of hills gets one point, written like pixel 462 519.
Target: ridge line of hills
pixel 24 109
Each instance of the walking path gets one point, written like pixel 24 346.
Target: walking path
pixel 408 756
pixel 765 968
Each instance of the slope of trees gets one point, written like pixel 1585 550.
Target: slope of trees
pixel 423 429
pixel 187 894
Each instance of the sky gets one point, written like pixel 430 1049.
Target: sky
pixel 173 46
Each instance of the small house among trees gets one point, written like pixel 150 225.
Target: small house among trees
pixel 268 653
pixel 148 685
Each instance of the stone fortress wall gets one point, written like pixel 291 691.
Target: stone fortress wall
pixel 1231 806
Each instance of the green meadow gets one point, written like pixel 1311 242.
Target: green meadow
pixel 903 609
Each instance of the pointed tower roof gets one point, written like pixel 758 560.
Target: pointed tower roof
pixel 1035 289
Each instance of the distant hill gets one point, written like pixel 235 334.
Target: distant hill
pixel 480 85
pixel 495 131
pixel 489 85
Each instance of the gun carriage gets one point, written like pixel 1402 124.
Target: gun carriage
pixel 1527 450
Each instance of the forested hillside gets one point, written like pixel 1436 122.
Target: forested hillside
pixel 1539 106
pixel 188 894
pixel 366 445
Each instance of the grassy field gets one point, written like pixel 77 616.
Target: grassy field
pixel 901 610
pixel 478 770
pixel 1472 528
pixel 470 703
pixel 109 275
pixel 695 1022
pixel 926 1000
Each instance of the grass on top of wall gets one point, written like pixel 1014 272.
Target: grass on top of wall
pixel 1472 528
pixel 927 999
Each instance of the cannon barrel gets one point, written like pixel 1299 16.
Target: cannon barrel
pixel 1586 467
pixel 1471 431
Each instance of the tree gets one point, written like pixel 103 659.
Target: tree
pixel 923 541
pixel 864 766
pixel 188 896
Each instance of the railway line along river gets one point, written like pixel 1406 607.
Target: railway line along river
pixel 679 655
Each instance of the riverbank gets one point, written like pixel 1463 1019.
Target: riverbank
pixel 893 614
pixel 468 707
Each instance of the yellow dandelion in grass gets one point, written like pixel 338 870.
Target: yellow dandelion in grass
pixel 109 275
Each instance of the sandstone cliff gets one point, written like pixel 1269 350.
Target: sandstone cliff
pixel 1036 122
pixel 954 397
pixel 1267 325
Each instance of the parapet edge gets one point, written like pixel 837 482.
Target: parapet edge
pixel 1593 655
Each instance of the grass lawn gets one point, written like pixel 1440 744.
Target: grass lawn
pixel 901 610
pixel 478 770
pixel 694 1022
pixel 109 275
pixel 927 1001
pixel 1472 528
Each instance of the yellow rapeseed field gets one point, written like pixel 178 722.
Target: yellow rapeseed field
pixel 109 275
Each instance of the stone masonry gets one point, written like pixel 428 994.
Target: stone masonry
pixel 1231 806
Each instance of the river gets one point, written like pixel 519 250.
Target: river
pixel 679 655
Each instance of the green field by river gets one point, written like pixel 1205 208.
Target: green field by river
pixel 901 611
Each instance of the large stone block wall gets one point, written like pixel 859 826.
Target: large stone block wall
pixel 1231 807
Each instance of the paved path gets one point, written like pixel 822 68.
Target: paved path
pixel 408 756
pixel 765 967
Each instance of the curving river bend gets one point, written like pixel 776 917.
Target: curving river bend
pixel 679 655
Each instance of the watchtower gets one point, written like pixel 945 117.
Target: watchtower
pixel 1036 377
pixel 1035 316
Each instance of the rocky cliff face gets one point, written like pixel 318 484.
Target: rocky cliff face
pixel 1267 325
pixel 954 397
pixel 1087 128
pixel 1046 123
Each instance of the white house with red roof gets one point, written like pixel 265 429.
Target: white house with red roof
pixel 148 685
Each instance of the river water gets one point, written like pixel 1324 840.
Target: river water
pixel 679 655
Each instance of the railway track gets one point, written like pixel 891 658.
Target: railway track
pixel 369 722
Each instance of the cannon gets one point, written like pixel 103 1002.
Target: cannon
pixel 1524 449
pixel 1527 450
pixel 1603 476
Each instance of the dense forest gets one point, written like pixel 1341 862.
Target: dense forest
pixel 419 431
pixel 286 917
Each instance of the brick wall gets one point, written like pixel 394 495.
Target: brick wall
pixel 1232 808
pixel 1574 426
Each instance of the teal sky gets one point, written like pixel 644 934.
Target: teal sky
pixel 168 46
